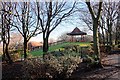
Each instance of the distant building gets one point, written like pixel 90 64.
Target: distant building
pixel 34 45
pixel 77 32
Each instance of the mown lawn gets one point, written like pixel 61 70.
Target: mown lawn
pixel 58 46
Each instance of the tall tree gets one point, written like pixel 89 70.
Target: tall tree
pixel 110 16
pixel 50 15
pixel 25 21
pixel 106 22
pixel 95 20
pixel 0 24
pixel 6 27
pixel 118 27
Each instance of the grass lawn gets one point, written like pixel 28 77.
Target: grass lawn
pixel 58 46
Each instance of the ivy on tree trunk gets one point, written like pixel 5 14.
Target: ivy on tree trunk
pixel 95 19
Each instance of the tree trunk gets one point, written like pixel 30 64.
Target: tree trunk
pixel 99 35
pixel 96 40
pixel 3 36
pixel 45 45
pixel 117 42
pixel 110 36
pixel 109 25
pixel 103 35
pixel 25 48
pixel 7 54
pixel 95 29
pixel 107 41
pixel 3 57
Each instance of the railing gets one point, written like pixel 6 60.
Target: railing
pixel 58 42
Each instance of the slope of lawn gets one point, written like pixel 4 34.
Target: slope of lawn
pixel 58 46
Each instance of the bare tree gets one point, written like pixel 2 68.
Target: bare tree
pixel 26 23
pixel 6 27
pixel 86 18
pixel 106 22
pixel 109 17
pixel 0 31
pixel 95 20
pixel 118 27
pixel 50 15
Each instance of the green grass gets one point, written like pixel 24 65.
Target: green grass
pixel 36 52
pixel 59 46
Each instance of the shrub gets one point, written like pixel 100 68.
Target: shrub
pixel 102 48
pixel 119 46
pixel 16 54
pixel 108 48
pixel 90 58
pixel 52 67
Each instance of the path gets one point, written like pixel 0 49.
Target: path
pixel 114 61
pixel 111 70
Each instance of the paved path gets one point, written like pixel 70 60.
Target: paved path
pixel 114 61
pixel 111 70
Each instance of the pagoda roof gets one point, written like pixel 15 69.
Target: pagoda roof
pixel 77 31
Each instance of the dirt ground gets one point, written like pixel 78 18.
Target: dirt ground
pixel 110 71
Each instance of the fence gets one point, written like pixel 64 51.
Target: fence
pixel 58 42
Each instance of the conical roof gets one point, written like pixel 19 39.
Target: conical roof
pixel 77 31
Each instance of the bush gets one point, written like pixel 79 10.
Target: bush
pixel 102 48
pixel 108 48
pixel 16 54
pixel 90 58
pixel 119 46
pixel 51 67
